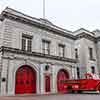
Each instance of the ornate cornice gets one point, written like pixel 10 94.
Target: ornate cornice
pixel 37 24
pixel 87 36
pixel 41 55
pixel 48 28
pixel 98 38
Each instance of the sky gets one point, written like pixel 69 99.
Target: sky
pixel 68 14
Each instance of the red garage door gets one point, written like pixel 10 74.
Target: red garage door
pixel 25 80
pixel 47 83
pixel 62 75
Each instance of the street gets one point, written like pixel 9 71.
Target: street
pixel 54 97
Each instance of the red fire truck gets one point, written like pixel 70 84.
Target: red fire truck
pixel 91 84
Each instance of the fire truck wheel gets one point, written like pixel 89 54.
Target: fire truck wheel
pixel 76 92
pixel 73 91
pixel 79 91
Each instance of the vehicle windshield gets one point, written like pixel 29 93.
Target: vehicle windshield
pixel 91 76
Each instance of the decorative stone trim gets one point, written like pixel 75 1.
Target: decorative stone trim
pixel 87 36
pixel 92 59
pixel 41 55
pixel 98 38
pixel 27 36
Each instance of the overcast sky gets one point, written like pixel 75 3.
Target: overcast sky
pixel 68 14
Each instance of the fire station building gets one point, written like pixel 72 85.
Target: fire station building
pixel 35 54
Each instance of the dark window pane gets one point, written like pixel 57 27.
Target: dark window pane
pixel 76 53
pixel 91 53
pixel 29 45
pixel 93 69
pixel 78 72
pixel 23 44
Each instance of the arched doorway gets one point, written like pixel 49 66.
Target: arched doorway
pixel 25 80
pixel 62 75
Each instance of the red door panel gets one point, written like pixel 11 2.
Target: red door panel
pixel 47 83
pixel 62 75
pixel 25 80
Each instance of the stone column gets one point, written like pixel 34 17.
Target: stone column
pixel 4 77
pixel 54 81
pixel 11 78
pixel 42 79
pixel 38 81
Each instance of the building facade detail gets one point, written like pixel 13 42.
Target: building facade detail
pixel 36 55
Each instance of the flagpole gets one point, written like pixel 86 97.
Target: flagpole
pixel 43 9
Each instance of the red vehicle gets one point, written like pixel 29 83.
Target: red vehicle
pixel 91 83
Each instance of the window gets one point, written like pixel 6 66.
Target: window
pixel 23 44
pixel 61 50
pixel 91 53
pixel 29 45
pixel 76 53
pixel 45 47
pixel 78 73
pixel 26 43
pixel 93 69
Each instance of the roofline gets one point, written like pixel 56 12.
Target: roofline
pixel 86 36
pixel 38 23
pixel 84 30
pixel 53 28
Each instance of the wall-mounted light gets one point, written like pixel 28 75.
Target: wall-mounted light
pixel 46 67
pixel 3 79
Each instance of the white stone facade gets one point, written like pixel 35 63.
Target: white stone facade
pixel 13 24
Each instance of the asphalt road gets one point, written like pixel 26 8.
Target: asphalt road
pixel 54 97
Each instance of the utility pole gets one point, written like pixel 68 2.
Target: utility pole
pixel 43 9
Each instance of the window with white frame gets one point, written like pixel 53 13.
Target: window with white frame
pixel 26 43
pixel 61 49
pixel 45 47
